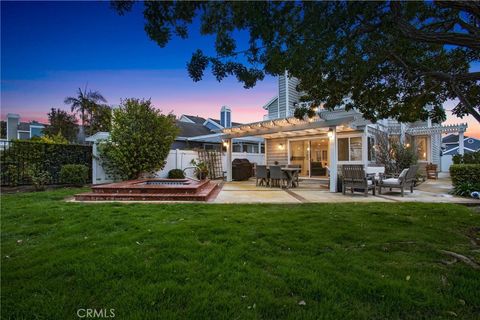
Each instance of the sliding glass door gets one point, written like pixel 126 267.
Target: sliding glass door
pixel 311 155
pixel 318 157
pixel 299 155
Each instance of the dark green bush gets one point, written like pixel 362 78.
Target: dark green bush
pixel 467 158
pixel 176 174
pixel 465 178
pixel 74 174
pixel 20 156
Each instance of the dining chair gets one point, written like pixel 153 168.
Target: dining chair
pixel 277 176
pixel 261 173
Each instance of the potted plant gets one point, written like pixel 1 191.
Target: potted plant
pixel 201 169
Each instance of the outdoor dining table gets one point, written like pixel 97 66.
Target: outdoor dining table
pixel 291 174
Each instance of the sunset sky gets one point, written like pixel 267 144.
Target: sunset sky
pixel 50 49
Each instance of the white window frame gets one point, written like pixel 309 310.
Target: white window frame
pixel 309 138
pixel 356 135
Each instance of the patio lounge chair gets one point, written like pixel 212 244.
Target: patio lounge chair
pixel 277 176
pixel 261 173
pixel 406 179
pixel 354 177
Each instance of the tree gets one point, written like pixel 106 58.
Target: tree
pixel 3 129
pixel 84 103
pixel 139 141
pixel 387 59
pixel 63 123
pixel 100 119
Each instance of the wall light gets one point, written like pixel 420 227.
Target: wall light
pixel 330 133
pixel 408 145
pixel 225 144
pixel 281 146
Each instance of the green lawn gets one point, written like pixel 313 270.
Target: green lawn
pixel 204 261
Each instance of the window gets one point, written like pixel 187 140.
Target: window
pixel 350 149
pixel 237 148
pixel 36 132
pixel 343 149
pixel 422 148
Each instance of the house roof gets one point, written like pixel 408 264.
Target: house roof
pixel 233 123
pixel 196 119
pixel 192 129
pixel 451 138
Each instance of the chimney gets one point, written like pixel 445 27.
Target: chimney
pixel 13 120
pixel 226 117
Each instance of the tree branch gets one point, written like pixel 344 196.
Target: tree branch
pixel 444 38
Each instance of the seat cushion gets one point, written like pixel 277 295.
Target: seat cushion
pixel 403 174
pixel 391 182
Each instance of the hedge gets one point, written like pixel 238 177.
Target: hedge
pixel 18 158
pixel 74 174
pixel 465 178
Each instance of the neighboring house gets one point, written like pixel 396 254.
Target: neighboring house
pixel 200 133
pixel 22 130
pixel 451 147
pixel 332 138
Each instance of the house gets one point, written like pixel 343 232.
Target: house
pixel 450 144
pixel 331 138
pixel 200 133
pixel 22 130
pixel 451 147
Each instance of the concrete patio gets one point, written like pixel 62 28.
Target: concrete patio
pixel 316 191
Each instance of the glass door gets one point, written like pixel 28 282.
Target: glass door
pixel 319 157
pixel 299 155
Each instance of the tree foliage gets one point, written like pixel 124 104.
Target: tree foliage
pixel 3 129
pixel 61 123
pixel 85 103
pixel 387 59
pixel 100 119
pixel 139 141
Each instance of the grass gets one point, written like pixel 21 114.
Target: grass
pixel 204 261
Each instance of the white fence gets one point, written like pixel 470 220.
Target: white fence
pixel 176 159
pixel 445 162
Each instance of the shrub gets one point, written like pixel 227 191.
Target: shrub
pixel 74 174
pixel 139 142
pixel 176 174
pixel 465 178
pixel 467 158
pixel 40 178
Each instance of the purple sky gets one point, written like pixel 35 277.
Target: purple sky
pixel 46 55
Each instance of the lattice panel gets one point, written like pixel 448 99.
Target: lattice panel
pixel 213 159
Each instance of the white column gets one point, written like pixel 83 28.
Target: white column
pixel 365 148
pixel 460 142
pixel 229 159
pixel 266 153
pixel 94 162
pixel 333 159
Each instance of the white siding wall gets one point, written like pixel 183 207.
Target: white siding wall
pixel 273 109
pixel 277 151
pixel 435 145
pixel 282 96
pixel 293 95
